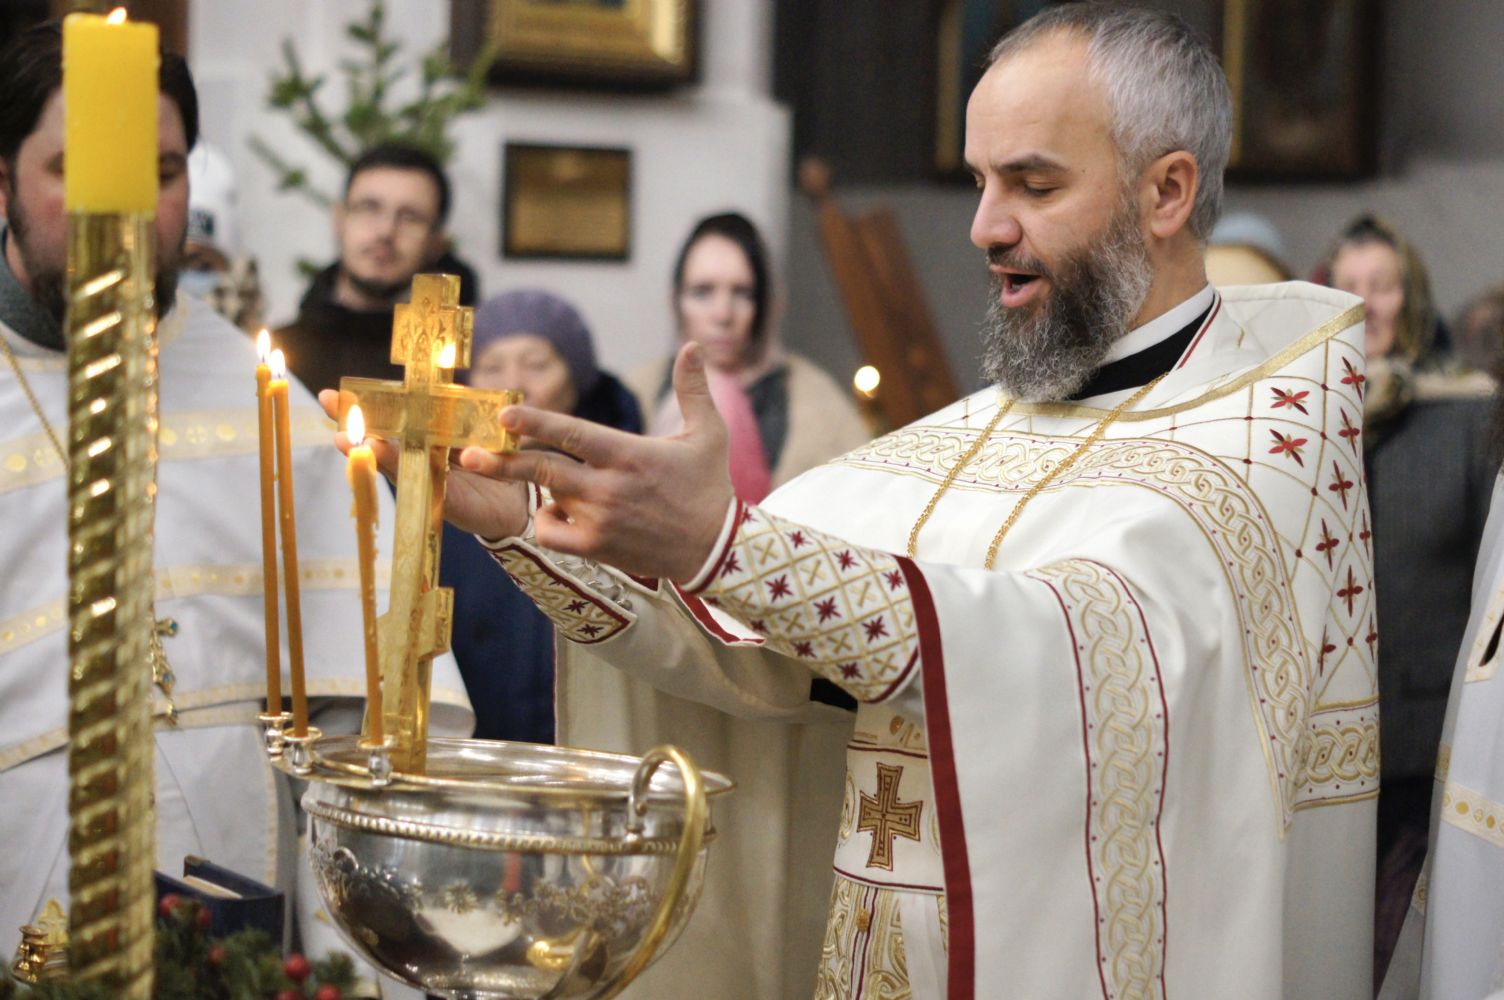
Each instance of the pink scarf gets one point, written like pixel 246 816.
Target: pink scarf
pixel 748 460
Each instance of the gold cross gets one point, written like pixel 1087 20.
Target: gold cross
pixel 429 415
pixel 885 817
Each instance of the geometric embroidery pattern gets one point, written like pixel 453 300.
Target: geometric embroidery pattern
pixel 1289 667
pixel 1473 813
pixel 1124 717
pixel 885 817
pixel 862 957
pixel 843 611
pixel 579 614
pixel 1342 762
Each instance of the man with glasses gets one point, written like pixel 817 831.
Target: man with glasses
pixel 390 226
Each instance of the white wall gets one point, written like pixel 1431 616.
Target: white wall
pixel 721 144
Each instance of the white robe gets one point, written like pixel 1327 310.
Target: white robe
pixel 1452 946
pixel 1148 738
pixel 217 797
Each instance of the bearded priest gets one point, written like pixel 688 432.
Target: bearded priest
pixel 1109 622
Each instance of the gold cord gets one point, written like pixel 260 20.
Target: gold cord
pixel 161 671
pixel 1049 477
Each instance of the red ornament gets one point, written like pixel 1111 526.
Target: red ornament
pixel 203 918
pixel 296 968
pixel 216 955
pixel 328 992
pixel 168 905
pixel 289 994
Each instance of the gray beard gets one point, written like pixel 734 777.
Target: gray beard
pixel 1051 351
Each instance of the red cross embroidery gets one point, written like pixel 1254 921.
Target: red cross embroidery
pixel 894 579
pixel 804 649
pixel 1373 635
pixel 591 630
pixel 797 539
pixel 1340 484
pixel 1293 399
pixel 827 609
pixel 1290 446
pixel 1326 647
pixel 850 671
pixel 1327 543
pixel 1352 377
pixel 1349 431
pixel 876 628
pixel 733 565
pixel 845 559
pixel 1365 534
pixel 575 607
pixel 779 587
pixel 1353 589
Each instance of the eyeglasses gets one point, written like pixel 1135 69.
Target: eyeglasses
pixel 369 211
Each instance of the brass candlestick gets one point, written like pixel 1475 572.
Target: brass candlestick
pixel 112 456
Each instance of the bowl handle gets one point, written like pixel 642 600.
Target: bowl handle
pixel 695 815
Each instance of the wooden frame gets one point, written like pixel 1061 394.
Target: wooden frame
pixel 614 43
pixel 566 202
pixel 1304 76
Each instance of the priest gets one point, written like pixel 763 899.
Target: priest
pixel 217 797
pixel 1452 945
pixel 1109 621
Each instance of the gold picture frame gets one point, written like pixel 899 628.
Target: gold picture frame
pixel 617 43
pixel 566 202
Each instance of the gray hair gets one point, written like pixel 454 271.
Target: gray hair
pixel 1165 90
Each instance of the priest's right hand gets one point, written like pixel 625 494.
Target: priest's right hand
pixel 478 504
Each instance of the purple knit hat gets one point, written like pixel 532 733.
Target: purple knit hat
pixel 544 314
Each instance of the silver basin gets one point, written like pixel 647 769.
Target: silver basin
pixel 509 870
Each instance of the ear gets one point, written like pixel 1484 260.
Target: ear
pixel 1170 184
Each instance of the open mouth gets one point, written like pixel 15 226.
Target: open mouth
pixel 1018 287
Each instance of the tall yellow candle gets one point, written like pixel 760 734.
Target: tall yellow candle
pixel 110 117
pixel 282 421
pixel 361 471
pixel 267 434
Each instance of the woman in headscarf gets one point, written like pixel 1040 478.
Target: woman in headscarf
pixel 535 342
pixel 783 414
pixel 1426 458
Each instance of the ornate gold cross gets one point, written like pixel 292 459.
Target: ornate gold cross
pixel 429 415
pixel 887 818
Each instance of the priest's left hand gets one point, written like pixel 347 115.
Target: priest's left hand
pixel 649 506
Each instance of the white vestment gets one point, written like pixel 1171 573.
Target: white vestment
pixel 1137 758
pixel 1452 946
pixel 217 797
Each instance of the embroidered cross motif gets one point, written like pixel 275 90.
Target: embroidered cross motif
pixel 1288 445
pixel 1352 590
pixel 886 818
pixel 1293 399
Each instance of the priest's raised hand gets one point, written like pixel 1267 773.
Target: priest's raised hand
pixel 651 507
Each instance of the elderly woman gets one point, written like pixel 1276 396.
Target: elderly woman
pixel 535 342
pixel 1426 458
pixel 784 415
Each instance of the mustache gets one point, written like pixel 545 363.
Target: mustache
pixel 1016 260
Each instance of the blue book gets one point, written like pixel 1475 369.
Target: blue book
pixel 234 901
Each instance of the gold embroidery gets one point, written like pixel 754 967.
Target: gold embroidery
pixel 1341 759
pixel 886 818
pixel 862 957
pixel 1125 726
pixel 579 614
pixel 1473 813
pixel 843 611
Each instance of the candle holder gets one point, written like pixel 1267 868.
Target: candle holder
pixel 299 752
pixel 379 760
pixel 274 731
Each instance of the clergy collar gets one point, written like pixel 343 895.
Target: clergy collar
pixel 1152 349
pixel 20 311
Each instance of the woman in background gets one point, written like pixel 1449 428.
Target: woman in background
pixel 783 414
pixel 535 342
pixel 1426 446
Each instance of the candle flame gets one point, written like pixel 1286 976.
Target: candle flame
pixel 355 426
pixel 866 380
pixel 117 16
pixel 447 356
pixel 279 364
pixel 263 345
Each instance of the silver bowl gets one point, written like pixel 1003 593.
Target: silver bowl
pixel 507 870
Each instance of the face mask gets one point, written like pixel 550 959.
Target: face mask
pixel 199 284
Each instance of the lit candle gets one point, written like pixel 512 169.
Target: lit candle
pixel 110 97
pixel 361 471
pixel 267 434
pixel 282 421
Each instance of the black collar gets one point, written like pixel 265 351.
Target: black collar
pixel 1138 369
